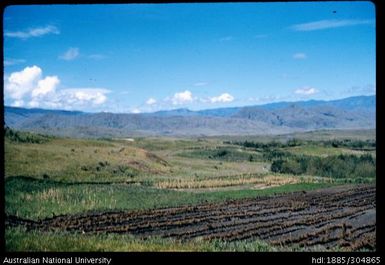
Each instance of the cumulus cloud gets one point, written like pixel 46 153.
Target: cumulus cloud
pixel 34 32
pixel 187 97
pixel 327 24
pixel 306 91
pixel 29 88
pixel 299 56
pixel 45 86
pixel 70 54
pixel 73 98
pixel 20 83
pixel 225 97
pixel 83 96
pixel 182 98
pixel 151 101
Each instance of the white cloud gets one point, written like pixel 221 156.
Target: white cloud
pixel 225 97
pixel 151 101
pixel 306 91
pixel 34 32
pixel 13 62
pixel 33 104
pixel 182 98
pixel 23 82
pixel 70 54
pixel 29 86
pixel 83 96
pixel 45 86
pixel 72 98
pixel 327 24
pixel 135 111
pixel 18 103
pixel 299 56
pixel 201 84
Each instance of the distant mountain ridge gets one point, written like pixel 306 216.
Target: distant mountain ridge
pixel 274 118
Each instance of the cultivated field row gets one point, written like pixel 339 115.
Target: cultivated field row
pixel 340 217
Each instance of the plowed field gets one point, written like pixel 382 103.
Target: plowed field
pixel 343 217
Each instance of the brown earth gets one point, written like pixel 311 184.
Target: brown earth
pixel 342 217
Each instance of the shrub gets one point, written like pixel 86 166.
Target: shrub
pixel 25 137
pixel 341 166
pixel 222 153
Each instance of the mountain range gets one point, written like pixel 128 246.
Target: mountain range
pixel 275 118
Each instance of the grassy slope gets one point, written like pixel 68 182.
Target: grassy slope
pixel 76 160
pixel 314 150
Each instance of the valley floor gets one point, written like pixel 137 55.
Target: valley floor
pixel 206 194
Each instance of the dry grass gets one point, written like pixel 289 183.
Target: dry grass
pixel 226 182
pixel 77 160
pixel 52 194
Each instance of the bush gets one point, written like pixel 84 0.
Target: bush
pixel 273 154
pixel 221 153
pixel 25 137
pixel 352 144
pixel 341 166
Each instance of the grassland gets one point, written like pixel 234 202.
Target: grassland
pixel 57 176
pixel 35 199
pixel 20 240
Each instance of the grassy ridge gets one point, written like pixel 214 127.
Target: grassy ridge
pixel 80 160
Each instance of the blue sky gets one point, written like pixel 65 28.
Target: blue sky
pixel 149 57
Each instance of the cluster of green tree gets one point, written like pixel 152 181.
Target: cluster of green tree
pixel 341 166
pixel 25 137
pixel 269 145
pixel 352 144
pixel 230 155
pixel 347 143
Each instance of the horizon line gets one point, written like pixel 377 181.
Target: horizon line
pixel 186 108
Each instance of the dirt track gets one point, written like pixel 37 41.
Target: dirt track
pixel 342 217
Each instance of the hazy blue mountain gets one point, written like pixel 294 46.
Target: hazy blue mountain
pixel 221 112
pixel 274 118
pixel 358 102
pixel 351 103
pixel 175 112
pixel 15 117
pixel 312 117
